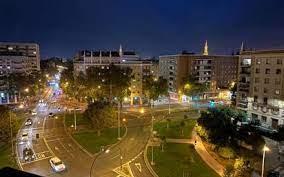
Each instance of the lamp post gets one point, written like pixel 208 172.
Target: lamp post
pixel 265 148
pixel 11 132
pixel 75 119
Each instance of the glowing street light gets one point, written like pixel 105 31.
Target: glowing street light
pixel 142 111
pixel 265 149
pixel 27 90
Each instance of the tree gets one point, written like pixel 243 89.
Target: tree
pixel 182 125
pixel 101 114
pixel 153 87
pixel 164 141
pixel 5 128
pixel 168 123
pixel 192 88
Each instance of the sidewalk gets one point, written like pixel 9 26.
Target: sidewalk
pixel 202 152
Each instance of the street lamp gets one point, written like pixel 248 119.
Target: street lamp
pixel 27 90
pixel 265 148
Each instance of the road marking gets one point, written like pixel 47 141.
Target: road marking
pixel 138 166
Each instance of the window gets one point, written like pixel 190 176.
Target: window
pixel 277 81
pixel 265 90
pixel 255 99
pixel 256 80
pixel 257 70
pixel 255 89
pixel 267 61
pixel 258 61
pixel 278 71
pixel 266 80
pixel 279 61
pixel 267 71
pixel 263 118
pixel 265 100
pixel 277 92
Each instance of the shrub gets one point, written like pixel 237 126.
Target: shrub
pixel 226 152
pixel 201 132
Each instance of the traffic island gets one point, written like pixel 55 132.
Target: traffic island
pixel 94 143
pixel 88 139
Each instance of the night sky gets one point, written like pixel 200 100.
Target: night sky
pixel 150 27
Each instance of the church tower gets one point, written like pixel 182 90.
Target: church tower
pixel 205 52
pixel 120 51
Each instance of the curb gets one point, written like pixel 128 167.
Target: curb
pixel 81 147
pixel 147 162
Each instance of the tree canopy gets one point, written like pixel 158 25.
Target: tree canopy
pixel 154 87
pixel 5 128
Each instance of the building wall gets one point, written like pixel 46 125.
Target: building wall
pixel 220 70
pixel 261 86
pixel 16 58
pixel 140 68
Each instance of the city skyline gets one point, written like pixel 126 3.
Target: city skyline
pixel 150 28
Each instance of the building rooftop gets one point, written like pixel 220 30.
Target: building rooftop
pixel 266 51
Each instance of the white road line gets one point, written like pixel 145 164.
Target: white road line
pixel 66 149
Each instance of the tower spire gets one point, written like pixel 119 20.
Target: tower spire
pixel 205 52
pixel 242 47
pixel 120 51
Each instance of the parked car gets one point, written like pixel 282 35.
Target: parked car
pixel 28 154
pixel 25 137
pixel 50 114
pixel 28 122
pixel 56 164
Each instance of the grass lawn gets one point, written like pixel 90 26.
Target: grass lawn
pixel 5 157
pixel 93 143
pixel 178 159
pixel 174 130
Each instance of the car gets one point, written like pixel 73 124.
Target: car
pixel 34 112
pixel 56 164
pixel 58 109
pixel 50 114
pixel 28 154
pixel 28 122
pixel 25 137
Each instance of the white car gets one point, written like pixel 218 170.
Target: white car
pixel 34 113
pixel 56 164
pixel 25 137
pixel 28 122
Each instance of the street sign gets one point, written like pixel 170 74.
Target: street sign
pixel 138 166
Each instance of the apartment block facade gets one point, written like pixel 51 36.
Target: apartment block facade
pixel 261 86
pixel 220 71
pixel 140 68
pixel 16 58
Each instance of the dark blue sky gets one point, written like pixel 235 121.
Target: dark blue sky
pixel 151 27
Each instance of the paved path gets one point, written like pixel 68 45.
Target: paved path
pixel 203 153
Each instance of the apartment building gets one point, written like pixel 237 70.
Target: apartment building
pixel 16 58
pixel 140 68
pixel 261 86
pixel 217 70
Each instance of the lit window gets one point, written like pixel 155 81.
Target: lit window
pixel 277 92
pixel 10 48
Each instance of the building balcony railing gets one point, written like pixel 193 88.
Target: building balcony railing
pixel 264 108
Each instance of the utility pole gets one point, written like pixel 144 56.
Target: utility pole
pixel 11 132
pixel 75 119
pixel 118 122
